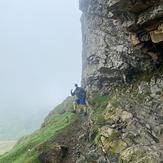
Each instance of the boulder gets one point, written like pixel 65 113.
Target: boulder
pixel 54 153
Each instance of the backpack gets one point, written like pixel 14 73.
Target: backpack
pixel 80 93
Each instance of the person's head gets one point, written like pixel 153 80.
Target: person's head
pixel 76 85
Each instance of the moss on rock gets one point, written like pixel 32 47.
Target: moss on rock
pixel 139 154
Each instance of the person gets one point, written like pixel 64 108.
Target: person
pixel 80 98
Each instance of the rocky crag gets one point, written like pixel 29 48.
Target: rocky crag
pixel 123 75
pixel 121 40
pixel 122 58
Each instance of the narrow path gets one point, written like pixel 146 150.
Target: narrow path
pixel 73 139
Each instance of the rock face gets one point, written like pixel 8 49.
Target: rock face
pixel 122 58
pixel 121 39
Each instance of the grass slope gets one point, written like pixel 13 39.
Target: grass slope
pixel 26 150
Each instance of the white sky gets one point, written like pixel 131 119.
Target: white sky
pixel 40 53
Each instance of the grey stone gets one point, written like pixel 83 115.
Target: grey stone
pixel 122 50
pixel 107 52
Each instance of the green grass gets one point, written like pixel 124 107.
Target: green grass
pixel 26 150
pixel 99 104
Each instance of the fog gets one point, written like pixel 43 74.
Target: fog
pixel 40 54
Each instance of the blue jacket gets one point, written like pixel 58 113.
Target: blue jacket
pixel 79 93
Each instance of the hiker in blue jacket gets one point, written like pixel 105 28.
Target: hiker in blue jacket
pixel 80 98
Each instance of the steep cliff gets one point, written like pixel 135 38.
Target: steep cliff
pixel 122 58
pixel 123 74
pixel 121 40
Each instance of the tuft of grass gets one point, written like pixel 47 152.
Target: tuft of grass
pixel 99 103
pixel 26 150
